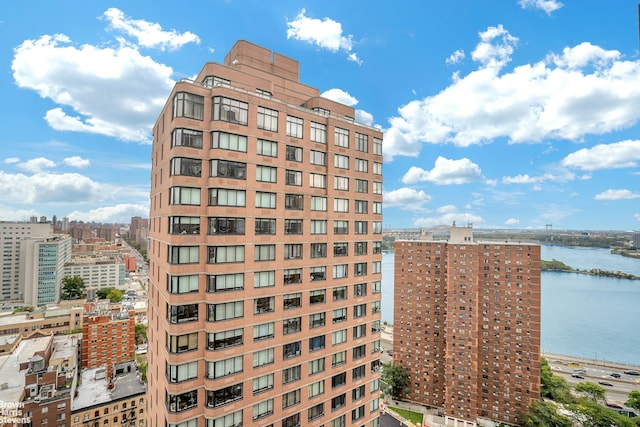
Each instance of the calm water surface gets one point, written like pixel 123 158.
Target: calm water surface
pixel 582 315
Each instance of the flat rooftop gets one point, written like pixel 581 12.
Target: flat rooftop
pixel 94 390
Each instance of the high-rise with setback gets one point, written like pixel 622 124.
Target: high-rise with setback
pixel 265 252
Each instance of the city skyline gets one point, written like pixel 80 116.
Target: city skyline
pixel 515 115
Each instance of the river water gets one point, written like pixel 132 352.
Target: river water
pixel 582 315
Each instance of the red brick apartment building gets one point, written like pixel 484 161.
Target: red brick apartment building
pixel 265 252
pixel 467 325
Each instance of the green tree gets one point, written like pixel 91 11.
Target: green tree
pixel 592 390
pixel 544 414
pixel 72 288
pixel 634 400
pixel 397 378
pixel 553 386
pixel 141 333
pixel 589 413
pixel 112 294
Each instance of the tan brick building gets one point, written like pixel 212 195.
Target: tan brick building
pixel 265 252
pixel 467 325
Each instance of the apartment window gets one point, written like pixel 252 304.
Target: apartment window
pixel 291 374
pixel 182 313
pixel 340 161
pixel 225 339
pixel 318 133
pixel 362 142
pixel 377 187
pixel 225 197
pixel 264 305
pixel 294 154
pixel 230 420
pixel 316 366
pixel 339 358
pixel 262 357
pixel 224 395
pixel 318 250
pixel 317 158
pixel 361 206
pixel 377 227
pixel 293 177
pixel 292 275
pixel 340 271
pixel 318 273
pixel 184 196
pixel 223 368
pixel 291 421
pixel 188 105
pixel 317 296
pixel 339 380
pixel 318 226
pixel 359 310
pixel 186 138
pixel 182 284
pixel 377 146
pixel 322 111
pixel 377 167
pixel 294 126
pixel 341 205
pixel 317 180
pixel 225 254
pixel 263 331
pixel 226 226
pixel 230 110
pixel 362 186
pixel 339 422
pixel 359 331
pixel 377 267
pixel 264 252
pixel 291 301
pixel 215 81
pixel 291 350
pixel 184 225
pixel 229 141
pixel 375 307
pixel 360 269
pixel 316 343
pixel 376 287
pixel 339 315
pixel 266 174
pixel 360 290
pixel 339 337
pixel 341 183
pixel 261 410
pixel 225 311
pixel 184 255
pixel 182 402
pixel 357 413
pixel 359 352
pixel 340 249
pixel 340 293
pixel 265 226
pixel 357 373
pixel 318 203
pixel 341 137
pixel 291 326
pixel 267 119
pixel 267 148
pixel 362 165
pixel 264 279
pixel 377 207
pixel 316 320
pixel 340 227
pixel 182 343
pixel 265 200
pixel 360 247
pixel 262 383
pixel 293 251
pixel 228 169
pixel 294 201
pixel 225 282
pixel 291 398
pixel 315 412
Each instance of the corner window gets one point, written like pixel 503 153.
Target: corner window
pixel 183 166
pixel 230 110
pixel 186 138
pixel 184 196
pixel 188 105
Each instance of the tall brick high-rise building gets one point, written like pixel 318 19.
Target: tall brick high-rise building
pixel 265 252
pixel 467 325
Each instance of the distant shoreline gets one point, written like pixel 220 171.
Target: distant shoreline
pixel 558 266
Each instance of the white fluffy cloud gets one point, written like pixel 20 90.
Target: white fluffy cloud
pixel 623 154
pixel 582 90
pixel 12 160
pixel 447 215
pixel 76 162
pixel 547 177
pixel 547 6
pixel 36 165
pixel 512 221
pixel 445 172
pixel 617 195
pixel 339 95
pixel 455 57
pixel 406 198
pixel 324 33
pixel 120 213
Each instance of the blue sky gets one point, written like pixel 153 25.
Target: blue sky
pixel 500 113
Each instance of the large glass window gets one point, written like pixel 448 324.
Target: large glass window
pixel 186 167
pixel 294 201
pixel 377 168
pixel 226 197
pixel 291 350
pixel 318 132
pixel 214 81
pixel 226 226
pixel 317 180
pixel 341 205
pixel 361 206
pixel 362 165
pixel 228 169
pixel 377 207
pixel 341 137
pixel 318 226
pixel 184 372
pixel 339 315
pixel 316 320
pixel 225 339
pixel 267 148
pixel 362 142
pixel 184 196
pixel 291 301
pixel 267 119
pixel 361 227
pixel 316 343
pixel 264 252
pixel 265 200
pixel 186 138
pixel 340 227
pixel 317 158
pixel 182 313
pixel 229 141
pixel 225 254
pixel 362 186
pixel 182 284
pixel 184 254
pixel 291 374
pixel 188 105
pixel 262 409
pixel 225 282
pixel 266 174
pixel 182 343
pixel 230 110
pixel 263 331
pixel 265 226
pixel 225 311
pixel 318 273
pixel 338 337
pixel 359 310
pixel 318 250
pixel 316 366
pixel 377 187
pixel 224 395
pixel 293 251
pixel 340 271
pixel 319 203
pixel 262 383
pixel 292 275
pixel 339 380
pixel 294 154
pixel 360 269
pixel 184 225
pixel 340 161
pixel 341 183
pixel 264 305
pixel 182 402
pixel 262 357
pixel 340 249
pixel 293 177
pixel 264 279
pixel 317 296
pixel 291 420
pixel 223 368
pixel 291 326
pixel 339 358
pixel 292 226
pixel 294 126
pixel 340 293
pixel 377 146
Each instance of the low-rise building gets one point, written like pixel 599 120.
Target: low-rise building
pixel 59 319
pixel 100 270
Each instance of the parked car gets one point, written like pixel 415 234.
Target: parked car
pixel 607 383
pixel 614 375
pixel 634 373
pixel 580 377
